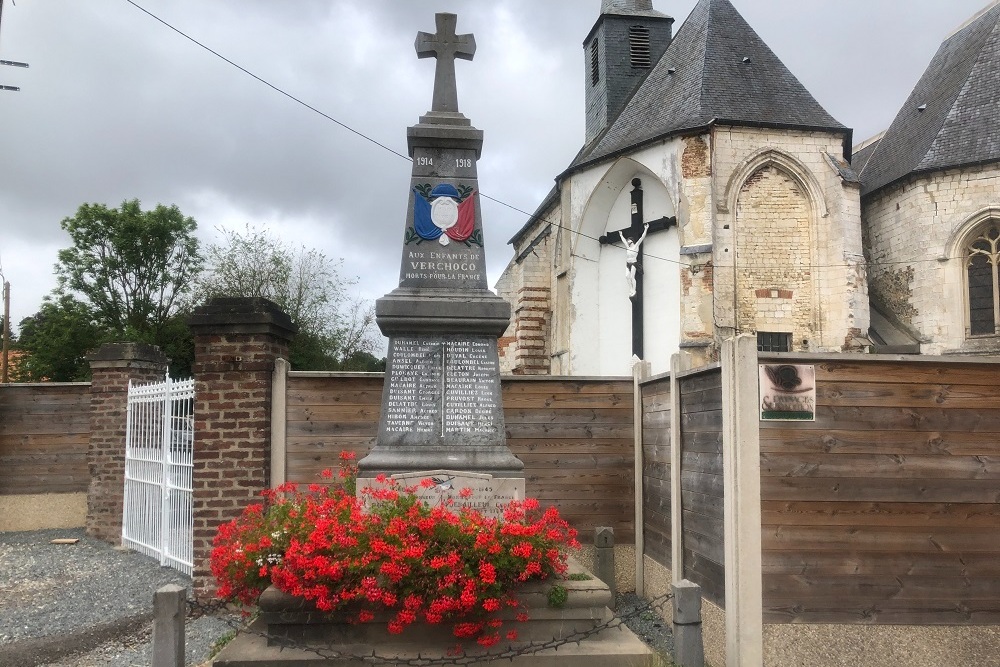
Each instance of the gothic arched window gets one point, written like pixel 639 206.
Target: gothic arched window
pixel 982 261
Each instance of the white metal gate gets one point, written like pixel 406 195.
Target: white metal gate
pixel 159 456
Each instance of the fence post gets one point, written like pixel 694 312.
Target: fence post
pixel 168 626
pixel 604 560
pixel 279 422
pixel 640 371
pixel 689 649
pixel 742 515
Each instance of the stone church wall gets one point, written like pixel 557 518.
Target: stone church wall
pixel 787 250
pixel 922 285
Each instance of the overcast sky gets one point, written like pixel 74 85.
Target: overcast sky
pixel 116 105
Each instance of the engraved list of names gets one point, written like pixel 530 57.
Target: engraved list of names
pixel 440 386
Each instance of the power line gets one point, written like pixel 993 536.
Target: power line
pixel 266 82
pixel 407 158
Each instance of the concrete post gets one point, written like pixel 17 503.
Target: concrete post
pixel 742 514
pixel 689 649
pixel 604 560
pixel 168 626
pixel 640 372
pixel 112 366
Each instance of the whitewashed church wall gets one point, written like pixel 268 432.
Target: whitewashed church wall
pixel 662 313
pixel 914 233
pixel 599 203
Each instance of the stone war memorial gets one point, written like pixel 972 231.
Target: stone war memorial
pixel 442 420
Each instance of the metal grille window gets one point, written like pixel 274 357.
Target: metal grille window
pixel 638 44
pixel 595 63
pixel 774 342
pixel 982 260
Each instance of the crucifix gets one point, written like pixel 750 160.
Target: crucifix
pixel 445 45
pixel 632 237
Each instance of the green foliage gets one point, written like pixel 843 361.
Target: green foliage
pixel 132 266
pixel 56 340
pixel 558 596
pixel 580 576
pixel 305 283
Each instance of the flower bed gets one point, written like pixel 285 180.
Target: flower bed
pixel 390 552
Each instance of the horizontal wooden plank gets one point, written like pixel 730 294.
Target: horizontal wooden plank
pixel 865 589
pixel 874 489
pixel 337 412
pixel 933 612
pixel 656 538
pixel 701 401
pixel 709 546
pixel 573 446
pixel 864 371
pixel 587 477
pixel 655 501
pixel 514 386
pixel 774 438
pixel 880 465
pixel 570 416
pixel 656 453
pixel 889 418
pixel 710 575
pixel 576 461
pixel 702 504
pixel 907 395
pixel 694 384
pixel 702 421
pixel 710 527
pixel 709 441
pixel 913 539
pixel 705 484
pixel 709 463
pixel 317 429
pixel 547 431
pixel 45 442
pixel 850 563
pixel 513 401
pixel 777 513
pixel 658 402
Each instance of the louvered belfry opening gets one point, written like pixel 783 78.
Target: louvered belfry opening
pixel 638 44
pixel 595 63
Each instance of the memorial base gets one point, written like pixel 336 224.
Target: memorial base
pixel 287 626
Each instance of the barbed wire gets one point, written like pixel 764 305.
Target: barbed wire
pixel 197 609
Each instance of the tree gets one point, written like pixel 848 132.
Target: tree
pixel 56 341
pixel 132 266
pixel 305 283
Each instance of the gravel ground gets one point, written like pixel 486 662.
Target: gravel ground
pixel 90 605
pixel 84 605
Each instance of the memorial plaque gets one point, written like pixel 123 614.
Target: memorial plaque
pixel 486 494
pixel 441 406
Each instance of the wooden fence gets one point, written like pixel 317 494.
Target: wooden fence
pixel 573 434
pixel 886 509
pixel 44 434
pixel 699 409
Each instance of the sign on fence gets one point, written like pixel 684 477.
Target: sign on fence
pixel 159 457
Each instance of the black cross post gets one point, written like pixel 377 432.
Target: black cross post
pixel 633 233
pixel 445 46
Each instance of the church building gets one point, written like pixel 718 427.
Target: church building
pixel 714 196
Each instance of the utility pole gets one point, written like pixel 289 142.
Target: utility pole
pixel 5 359
pixel 9 63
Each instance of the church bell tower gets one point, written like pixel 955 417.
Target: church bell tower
pixel 622 47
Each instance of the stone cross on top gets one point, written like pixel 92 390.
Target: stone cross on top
pixel 445 46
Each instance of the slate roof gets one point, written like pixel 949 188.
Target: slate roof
pixel 702 79
pixel 959 125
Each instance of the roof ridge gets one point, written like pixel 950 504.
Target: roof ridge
pixel 972 19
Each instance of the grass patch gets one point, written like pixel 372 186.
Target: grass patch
pixel 580 576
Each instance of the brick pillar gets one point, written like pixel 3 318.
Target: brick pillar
pixel 236 343
pixel 112 366
pixel 532 316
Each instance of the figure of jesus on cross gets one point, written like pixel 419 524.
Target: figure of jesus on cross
pixel 631 257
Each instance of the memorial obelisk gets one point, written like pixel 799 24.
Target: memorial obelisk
pixel 441 403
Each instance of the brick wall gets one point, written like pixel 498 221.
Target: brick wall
pixel 112 367
pixel 236 344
